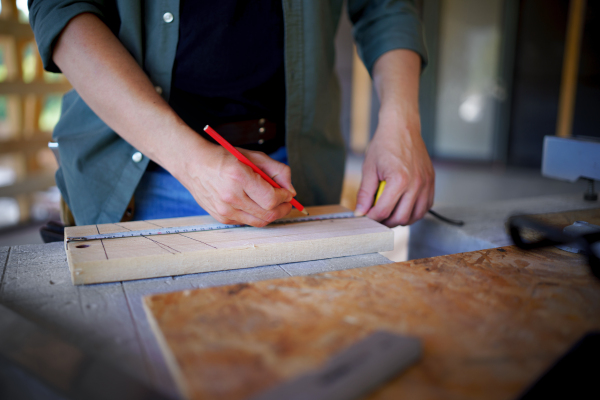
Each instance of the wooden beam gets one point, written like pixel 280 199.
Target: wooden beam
pixel 38 141
pixel 33 88
pixel 33 183
pixel 568 88
pixel 16 29
pixel 121 259
pixel 360 117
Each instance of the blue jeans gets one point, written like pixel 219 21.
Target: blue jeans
pixel 160 195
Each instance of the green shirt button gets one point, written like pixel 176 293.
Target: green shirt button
pixel 168 17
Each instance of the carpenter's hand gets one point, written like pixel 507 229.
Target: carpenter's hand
pixel 397 155
pixel 234 194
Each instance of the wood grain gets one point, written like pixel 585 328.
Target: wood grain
pixel 491 321
pixel 177 254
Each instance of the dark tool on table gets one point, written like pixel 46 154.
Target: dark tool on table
pixel 354 372
pixel 586 242
pixel 37 364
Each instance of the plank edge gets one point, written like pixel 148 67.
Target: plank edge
pixel 168 355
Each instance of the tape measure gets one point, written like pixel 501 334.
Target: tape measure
pixel 202 228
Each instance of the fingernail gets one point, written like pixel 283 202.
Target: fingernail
pixel 360 210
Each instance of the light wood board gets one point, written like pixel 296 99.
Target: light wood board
pixel 122 259
pixel 491 321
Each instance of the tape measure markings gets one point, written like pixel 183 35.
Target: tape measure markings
pixel 201 228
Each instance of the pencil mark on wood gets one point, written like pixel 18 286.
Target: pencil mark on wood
pixel 162 245
pixel 152 223
pixel 196 240
pixel 102 241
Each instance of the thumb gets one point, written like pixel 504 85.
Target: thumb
pixel 366 193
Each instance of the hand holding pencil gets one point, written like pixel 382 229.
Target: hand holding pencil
pixel 229 190
pixel 255 188
pixel 244 160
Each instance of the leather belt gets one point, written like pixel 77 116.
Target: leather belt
pixel 257 134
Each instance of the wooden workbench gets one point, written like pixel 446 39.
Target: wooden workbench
pixel 491 320
pixel 108 320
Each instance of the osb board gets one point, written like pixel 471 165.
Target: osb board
pixel 122 259
pixel 491 321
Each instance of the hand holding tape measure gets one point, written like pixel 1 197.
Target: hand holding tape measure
pixel 435 214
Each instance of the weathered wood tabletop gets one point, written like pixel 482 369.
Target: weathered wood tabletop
pixel 108 320
pixel 491 321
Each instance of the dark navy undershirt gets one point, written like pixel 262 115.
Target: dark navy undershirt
pixel 229 63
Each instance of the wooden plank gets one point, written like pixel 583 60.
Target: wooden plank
pixel 36 87
pixel 16 29
pixel 568 85
pixel 362 88
pixel 491 321
pixel 178 254
pixel 33 183
pixel 38 141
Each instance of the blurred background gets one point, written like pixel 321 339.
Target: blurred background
pixel 502 74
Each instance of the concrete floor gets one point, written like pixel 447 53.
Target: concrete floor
pixel 456 184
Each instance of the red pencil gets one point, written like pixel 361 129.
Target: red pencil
pixel 249 163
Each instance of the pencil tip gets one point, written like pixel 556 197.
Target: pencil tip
pixel 304 212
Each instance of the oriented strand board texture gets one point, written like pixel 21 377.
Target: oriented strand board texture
pixel 491 321
pixel 121 259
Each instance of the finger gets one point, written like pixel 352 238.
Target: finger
pixel 366 192
pixel 403 210
pixel 270 215
pixel 249 219
pixel 279 172
pixel 421 207
pixel 431 196
pixel 264 195
pixel 394 190
pixel 228 214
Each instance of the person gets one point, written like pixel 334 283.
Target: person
pixel 147 75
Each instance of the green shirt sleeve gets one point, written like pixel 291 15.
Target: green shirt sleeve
pixel 49 17
pixel 384 25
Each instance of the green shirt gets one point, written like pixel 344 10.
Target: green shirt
pixel 98 173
